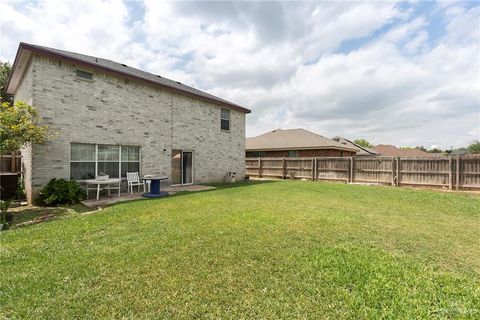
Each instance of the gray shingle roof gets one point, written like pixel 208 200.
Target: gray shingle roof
pixel 293 139
pixel 112 66
pixel 362 151
pixel 392 151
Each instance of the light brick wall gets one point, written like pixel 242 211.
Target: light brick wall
pixel 25 93
pixel 109 110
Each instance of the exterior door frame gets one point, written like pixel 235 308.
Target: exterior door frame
pixel 181 168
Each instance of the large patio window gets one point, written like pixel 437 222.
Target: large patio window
pixel 89 160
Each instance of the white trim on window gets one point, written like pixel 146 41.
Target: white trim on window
pixel 97 161
pixel 225 115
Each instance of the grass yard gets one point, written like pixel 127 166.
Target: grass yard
pixel 21 214
pixel 287 249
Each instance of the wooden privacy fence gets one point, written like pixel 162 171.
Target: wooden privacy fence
pixel 457 172
pixel 11 162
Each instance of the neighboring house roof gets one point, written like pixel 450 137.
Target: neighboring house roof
pixel 24 52
pixel 460 151
pixel 293 139
pixel 436 154
pixel 361 151
pixel 392 151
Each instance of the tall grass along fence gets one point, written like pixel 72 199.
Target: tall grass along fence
pixel 457 172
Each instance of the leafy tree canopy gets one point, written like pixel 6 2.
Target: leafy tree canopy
pixel 5 69
pixel 474 147
pixel 19 126
pixel 363 143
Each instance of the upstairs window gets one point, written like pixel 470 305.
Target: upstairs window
pixel 225 119
pixel 84 74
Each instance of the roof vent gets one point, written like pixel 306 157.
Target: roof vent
pixel 158 76
pixel 178 82
pixel 124 65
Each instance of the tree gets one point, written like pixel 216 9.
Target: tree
pixel 474 147
pixel 5 69
pixel 363 143
pixel 421 148
pixel 19 126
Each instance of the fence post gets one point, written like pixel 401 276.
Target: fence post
pixel 352 173
pixel 259 167
pixel 313 169
pixel 450 173
pixel 13 165
pixel 458 172
pixel 393 171
pixel 398 171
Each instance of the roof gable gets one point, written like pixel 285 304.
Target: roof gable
pixel 108 66
pixel 293 139
pixel 361 151
pixel 392 151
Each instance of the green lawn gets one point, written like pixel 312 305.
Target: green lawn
pixel 287 249
pixel 21 214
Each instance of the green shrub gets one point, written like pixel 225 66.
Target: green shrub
pixel 60 191
pixel 6 217
pixel 21 188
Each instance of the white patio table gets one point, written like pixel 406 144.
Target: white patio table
pixel 106 184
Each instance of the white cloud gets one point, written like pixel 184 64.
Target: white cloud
pixel 355 69
pixel 93 27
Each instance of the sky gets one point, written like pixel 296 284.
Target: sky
pixel 402 73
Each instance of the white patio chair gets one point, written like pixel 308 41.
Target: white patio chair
pixel 133 179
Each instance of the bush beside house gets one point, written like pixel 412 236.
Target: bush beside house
pixel 60 191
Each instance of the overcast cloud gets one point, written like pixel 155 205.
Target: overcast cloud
pixel 405 73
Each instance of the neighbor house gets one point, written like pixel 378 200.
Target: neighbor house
pixel 391 151
pixel 361 151
pixel 295 143
pixel 111 118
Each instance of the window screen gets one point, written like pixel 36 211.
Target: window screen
pixel 84 74
pixel 225 119
pixel 88 160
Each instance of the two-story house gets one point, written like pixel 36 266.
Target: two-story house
pixel 111 118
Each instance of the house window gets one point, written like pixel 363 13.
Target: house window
pixel 130 160
pixel 84 74
pixel 257 154
pixel 82 161
pixel 108 160
pixel 293 154
pixel 89 160
pixel 225 119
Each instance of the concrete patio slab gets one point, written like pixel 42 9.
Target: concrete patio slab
pixel 108 200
